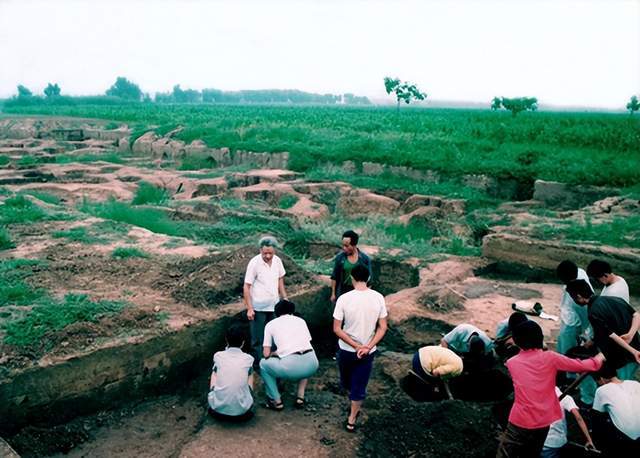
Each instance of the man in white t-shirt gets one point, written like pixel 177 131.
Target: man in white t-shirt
pixel 619 400
pixel 263 288
pixel 360 322
pixel 557 435
pixel 614 285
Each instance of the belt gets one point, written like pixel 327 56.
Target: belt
pixel 303 352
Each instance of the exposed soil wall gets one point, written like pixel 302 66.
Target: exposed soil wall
pixel 57 392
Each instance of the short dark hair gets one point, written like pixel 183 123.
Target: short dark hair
pixel 516 319
pixel 476 345
pixel 567 271
pixel 352 236
pixel 607 371
pixel 598 268
pixel 235 335
pixel 360 273
pixel 284 307
pixel 528 335
pixel 580 287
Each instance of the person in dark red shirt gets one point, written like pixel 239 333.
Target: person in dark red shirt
pixel 536 405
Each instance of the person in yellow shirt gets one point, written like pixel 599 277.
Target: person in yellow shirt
pixel 434 364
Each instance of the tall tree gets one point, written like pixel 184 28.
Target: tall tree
pixel 52 90
pixel 403 90
pixel 23 91
pixel 633 104
pixel 125 89
pixel 496 103
pixel 518 104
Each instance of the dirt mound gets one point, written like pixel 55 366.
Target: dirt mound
pixel 439 429
pixel 218 279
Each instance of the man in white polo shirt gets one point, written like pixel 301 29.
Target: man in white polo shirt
pixel 263 288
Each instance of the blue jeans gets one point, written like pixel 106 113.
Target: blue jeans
pixel 551 452
pixel 355 373
pixel 291 367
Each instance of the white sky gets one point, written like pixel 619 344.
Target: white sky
pixel 579 53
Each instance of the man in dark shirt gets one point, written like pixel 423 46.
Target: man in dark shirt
pixel 615 327
pixel 344 263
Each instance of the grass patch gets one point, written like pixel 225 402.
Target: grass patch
pixel 19 209
pixel 148 218
pixel 79 234
pixel 197 162
pixel 287 201
pixel 619 232
pixel 128 252
pixel 14 290
pixel 4 160
pixel 148 193
pixel 43 196
pixel 53 315
pixel 5 239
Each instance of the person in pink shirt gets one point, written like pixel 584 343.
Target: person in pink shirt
pixel 536 405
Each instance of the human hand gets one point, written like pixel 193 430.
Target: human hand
pixel 600 357
pixel 588 343
pixel 333 298
pixel 589 445
pixel 637 356
pixel 362 351
pixel 251 314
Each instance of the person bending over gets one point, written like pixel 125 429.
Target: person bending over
pixel 614 285
pixel 617 428
pixel 294 358
pixel 230 388
pixel 535 405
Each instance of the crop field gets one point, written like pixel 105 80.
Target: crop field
pixel 585 148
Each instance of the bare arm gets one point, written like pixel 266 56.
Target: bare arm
pixel 250 380
pixel 621 342
pixel 281 290
pixel 443 343
pixel 338 331
pixel 635 326
pixel 266 352
pixel 212 382
pixel 583 427
pixel 333 290
pixel 246 293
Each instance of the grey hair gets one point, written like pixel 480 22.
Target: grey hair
pixel 268 241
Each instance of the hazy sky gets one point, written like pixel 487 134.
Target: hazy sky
pixel 583 53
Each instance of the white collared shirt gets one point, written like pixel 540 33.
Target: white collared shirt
pixel 289 334
pixel 263 279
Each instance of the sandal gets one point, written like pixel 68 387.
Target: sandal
pixel 351 427
pixel 299 403
pixel 272 405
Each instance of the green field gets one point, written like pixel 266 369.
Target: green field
pixel 589 148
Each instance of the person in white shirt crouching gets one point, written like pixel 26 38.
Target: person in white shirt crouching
pixel 294 357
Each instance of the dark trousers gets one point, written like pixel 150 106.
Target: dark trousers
pixel 248 415
pixel 610 440
pixel 256 328
pixel 355 373
pixel 517 442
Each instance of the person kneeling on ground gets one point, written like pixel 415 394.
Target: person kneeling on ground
pixel 536 405
pixel 230 389
pixel 294 358
pixel 616 426
pixel 360 322
pixel 461 338
pixel 434 361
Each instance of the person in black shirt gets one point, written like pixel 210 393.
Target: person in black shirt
pixel 344 262
pixel 615 327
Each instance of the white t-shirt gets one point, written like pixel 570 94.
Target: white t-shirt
pixel 618 289
pixel 231 395
pixel 557 435
pixel 458 338
pixel 622 402
pixel 573 314
pixel 288 333
pixel 359 312
pixel 263 279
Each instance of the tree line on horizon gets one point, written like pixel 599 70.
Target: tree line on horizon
pixel 128 91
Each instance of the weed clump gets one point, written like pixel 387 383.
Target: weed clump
pixel 19 209
pixel 148 193
pixel 287 201
pixel 128 252
pixel 14 290
pixel 5 239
